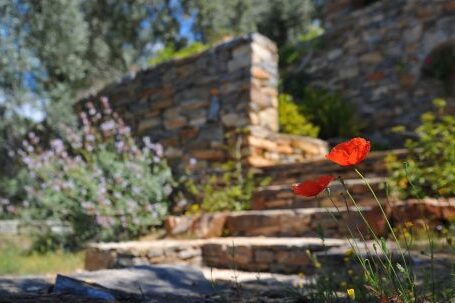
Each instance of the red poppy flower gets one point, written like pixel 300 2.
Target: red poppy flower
pixel 311 188
pixel 350 153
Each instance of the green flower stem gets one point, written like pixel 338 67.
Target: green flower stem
pixel 376 239
pixel 389 226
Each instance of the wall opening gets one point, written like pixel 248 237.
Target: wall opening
pixel 439 65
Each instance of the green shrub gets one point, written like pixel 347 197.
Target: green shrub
pixel 292 121
pixel 440 65
pixel 97 181
pixel 170 53
pixel 335 117
pixel 231 189
pixel 429 170
pixel 307 42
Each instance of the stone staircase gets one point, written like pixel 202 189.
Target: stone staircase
pixel 282 197
pixel 278 195
pixel 281 231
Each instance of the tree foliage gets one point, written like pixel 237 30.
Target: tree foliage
pixel 52 52
pixel 59 49
pixel 280 20
pixel 55 51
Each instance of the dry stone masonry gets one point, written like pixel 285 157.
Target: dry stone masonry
pixel 192 105
pixel 374 52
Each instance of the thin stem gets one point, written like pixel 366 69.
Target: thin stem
pixel 389 226
pixel 376 239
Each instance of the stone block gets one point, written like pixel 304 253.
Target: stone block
pixel 208 154
pixel 259 73
pixel 173 112
pixel 375 76
pixel 199 226
pixel 261 54
pixel 450 6
pixel 293 258
pixel 258 161
pixel 188 132
pixel 173 123
pixel 96 259
pixel 264 101
pixel 147 124
pixel 371 58
pixel 173 152
pixel 210 133
pixel 261 143
pixel 268 118
pixel 239 62
pixel 310 146
pixel 263 256
pixel 161 104
pixel 194 104
pixel 234 120
pixel 284 149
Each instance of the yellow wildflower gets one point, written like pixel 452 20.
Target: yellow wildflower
pixel 351 293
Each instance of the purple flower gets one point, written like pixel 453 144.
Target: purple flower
pixel 57 146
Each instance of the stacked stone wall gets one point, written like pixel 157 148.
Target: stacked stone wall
pixel 374 55
pixel 196 106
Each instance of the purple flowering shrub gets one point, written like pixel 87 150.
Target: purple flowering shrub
pixel 97 180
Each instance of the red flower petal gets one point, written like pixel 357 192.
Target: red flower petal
pixel 350 153
pixel 311 188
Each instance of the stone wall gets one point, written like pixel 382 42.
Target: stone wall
pixel 374 53
pixel 126 254
pixel 196 106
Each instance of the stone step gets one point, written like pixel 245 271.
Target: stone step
pixel 372 166
pixel 285 255
pixel 282 197
pixel 124 254
pixel 304 222
pixel 307 222
pixel 288 255
pixel 257 254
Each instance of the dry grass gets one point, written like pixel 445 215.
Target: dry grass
pixel 16 260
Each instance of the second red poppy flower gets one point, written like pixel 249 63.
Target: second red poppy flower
pixel 311 188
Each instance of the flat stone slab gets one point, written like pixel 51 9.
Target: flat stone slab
pixel 24 284
pixel 277 255
pixel 125 254
pixel 151 280
pixel 249 254
pixel 159 283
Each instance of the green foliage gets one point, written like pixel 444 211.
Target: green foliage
pixel 15 259
pixel 97 181
pixel 58 48
pixel 54 51
pixel 306 42
pixel 230 189
pixel 335 117
pixel 169 53
pixel 440 65
pixel 292 121
pixel 429 170
pixel 280 20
